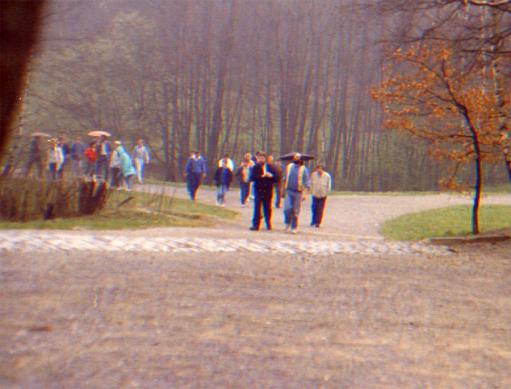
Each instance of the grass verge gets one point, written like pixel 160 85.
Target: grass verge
pixel 444 222
pixel 135 210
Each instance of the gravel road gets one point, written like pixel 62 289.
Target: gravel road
pixel 337 307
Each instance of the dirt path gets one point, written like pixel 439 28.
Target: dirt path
pixel 346 217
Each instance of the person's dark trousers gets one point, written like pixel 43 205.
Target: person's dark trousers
pixel 62 170
pixel 278 192
pixel 317 207
pixel 264 202
pixel 193 181
pixel 244 192
pixel 102 167
pixel 116 175
pixel 52 171
pixel 39 165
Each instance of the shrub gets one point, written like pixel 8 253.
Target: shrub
pixel 31 199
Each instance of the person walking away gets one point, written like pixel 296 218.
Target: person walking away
pixel 297 180
pixel 90 159
pixel 141 158
pixel 76 155
pixel 263 177
pixel 321 185
pixel 127 169
pixel 35 157
pixel 278 180
pixel 243 175
pixel 223 179
pixel 102 158
pixel 55 159
pixel 115 166
pixel 195 172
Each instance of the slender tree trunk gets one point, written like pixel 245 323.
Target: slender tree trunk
pixel 165 133
pixel 478 175
pixel 217 121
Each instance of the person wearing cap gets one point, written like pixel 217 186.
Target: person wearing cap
pixel 296 181
pixel 321 185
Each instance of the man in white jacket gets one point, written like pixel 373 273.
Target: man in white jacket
pixel 321 185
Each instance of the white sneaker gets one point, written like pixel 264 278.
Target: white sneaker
pixel 293 231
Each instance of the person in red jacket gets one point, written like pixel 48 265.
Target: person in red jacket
pixel 90 159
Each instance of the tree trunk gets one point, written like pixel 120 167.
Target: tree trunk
pixel 478 177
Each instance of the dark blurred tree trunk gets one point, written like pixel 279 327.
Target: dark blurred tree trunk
pixel 20 21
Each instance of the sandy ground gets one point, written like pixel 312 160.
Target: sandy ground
pixel 246 320
pixel 202 320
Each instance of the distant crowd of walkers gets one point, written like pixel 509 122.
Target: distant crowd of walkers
pixel 101 159
pixel 260 177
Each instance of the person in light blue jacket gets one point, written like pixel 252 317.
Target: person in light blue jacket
pixel 127 169
pixel 297 180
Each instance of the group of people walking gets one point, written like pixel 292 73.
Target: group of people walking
pixel 101 159
pixel 262 178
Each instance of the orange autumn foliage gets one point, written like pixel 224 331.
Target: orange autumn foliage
pixel 430 93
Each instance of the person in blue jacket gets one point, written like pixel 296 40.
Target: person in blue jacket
pixel 127 169
pixel 195 172
pixel 223 179
pixel 297 181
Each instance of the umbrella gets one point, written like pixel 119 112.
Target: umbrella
pixel 290 157
pixel 41 134
pixel 99 133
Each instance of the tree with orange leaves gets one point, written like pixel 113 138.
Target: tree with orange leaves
pixel 431 93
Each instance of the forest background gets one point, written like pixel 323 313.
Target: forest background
pixel 232 76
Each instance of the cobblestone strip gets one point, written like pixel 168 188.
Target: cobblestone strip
pixel 29 242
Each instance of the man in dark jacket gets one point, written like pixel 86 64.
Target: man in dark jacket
pixel 278 179
pixel 263 176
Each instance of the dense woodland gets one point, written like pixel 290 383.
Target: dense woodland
pixel 231 76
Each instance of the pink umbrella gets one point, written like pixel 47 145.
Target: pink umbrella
pixel 41 134
pixel 99 133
